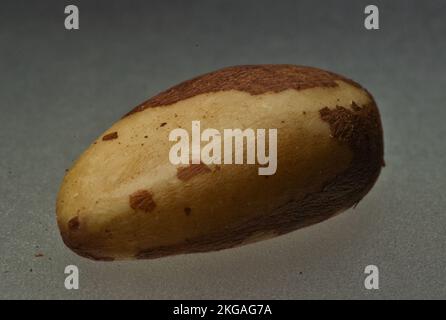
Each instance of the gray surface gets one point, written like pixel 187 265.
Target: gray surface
pixel 60 89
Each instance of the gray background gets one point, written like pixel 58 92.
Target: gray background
pixel 60 89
